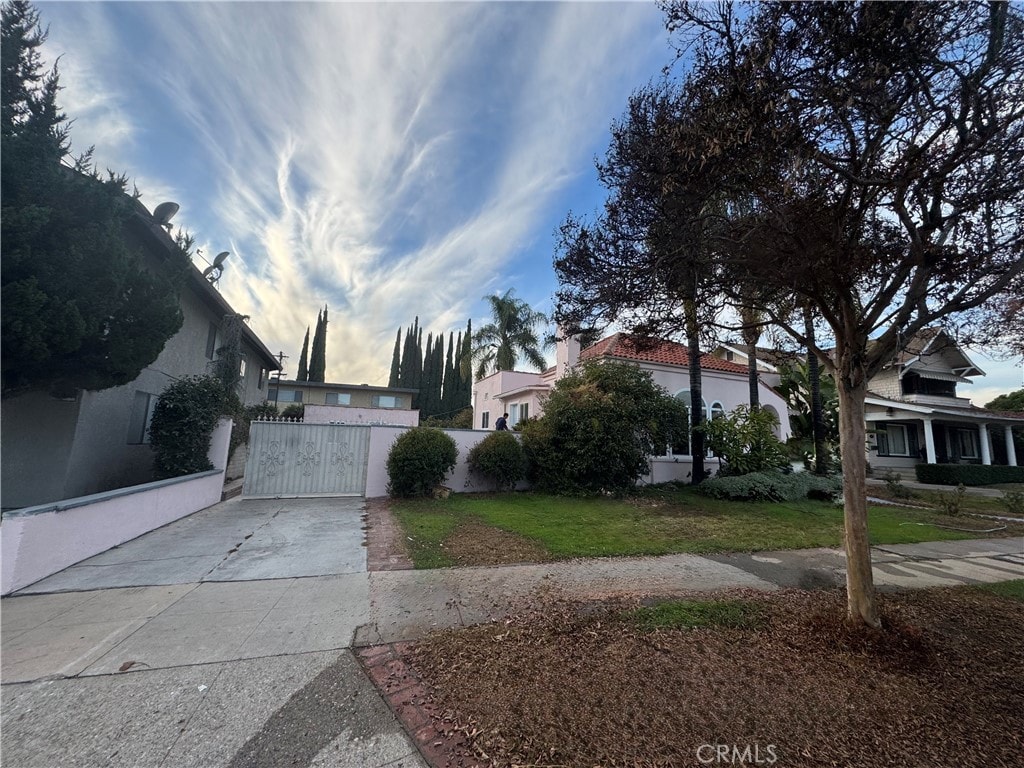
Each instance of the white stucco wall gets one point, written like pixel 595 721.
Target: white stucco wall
pixel 37 542
pixel 459 480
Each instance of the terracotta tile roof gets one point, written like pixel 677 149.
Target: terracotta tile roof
pixel 624 345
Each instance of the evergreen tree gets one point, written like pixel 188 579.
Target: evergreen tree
pixel 447 391
pixel 303 374
pixel 427 406
pixel 318 354
pixel 466 368
pixel 396 360
pixel 79 309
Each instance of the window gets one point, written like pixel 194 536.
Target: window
pixel 142 416
pixel 387 401
pixel 284 395
pixel 893 441
pixel 241 368
pixel 338 398
pixel 485 420
pixel 681 442
pixel 717 411
pixel 263 373
pixel 968 440
pixel 211 341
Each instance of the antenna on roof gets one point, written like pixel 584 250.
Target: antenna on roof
pixel 215 270
pixel 164 212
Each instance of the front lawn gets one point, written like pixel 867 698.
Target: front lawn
pixel 485 529
pixel 779 676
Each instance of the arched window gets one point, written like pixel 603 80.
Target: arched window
pixel 681 442
pixel 777 428
pixel 717 411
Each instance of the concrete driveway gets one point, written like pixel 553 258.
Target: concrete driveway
pixel 218 640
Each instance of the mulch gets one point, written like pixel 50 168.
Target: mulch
pixel 578 685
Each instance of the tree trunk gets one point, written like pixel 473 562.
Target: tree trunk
pixel 860 586
pixel 817 412
pixel 696 400
pixel 755 400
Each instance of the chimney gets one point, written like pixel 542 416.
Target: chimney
pixel 567 354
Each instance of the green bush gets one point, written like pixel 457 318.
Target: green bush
pixel 744 441
pixel 894 484
pixel 968 474
pixel 419 460
pixel 500 458
pixel 600 425
pixel 294 411
pixel 952 504
pixel 771 486
pixel 183 422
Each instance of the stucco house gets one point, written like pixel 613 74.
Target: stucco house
pixel 56 449
pixel 914 413
pixel 329 403
pixel 724 387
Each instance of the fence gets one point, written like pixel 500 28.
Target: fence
pixel 36 542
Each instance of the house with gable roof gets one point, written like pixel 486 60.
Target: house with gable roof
pixel 915 414
pixel 724 386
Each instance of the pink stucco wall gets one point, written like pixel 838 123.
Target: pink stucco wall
pixel 37 542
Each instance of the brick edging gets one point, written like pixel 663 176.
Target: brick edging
pixel 385 539
pixel 409 699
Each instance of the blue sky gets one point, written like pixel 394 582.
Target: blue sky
pixel 389 160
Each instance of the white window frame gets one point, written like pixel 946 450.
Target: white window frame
pixel 972 438
pixel 888 441
pixel 378 401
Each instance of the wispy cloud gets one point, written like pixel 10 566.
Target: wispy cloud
pixel 388 160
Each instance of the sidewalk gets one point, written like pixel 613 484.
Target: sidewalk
pixel 993 493
pixel 252 665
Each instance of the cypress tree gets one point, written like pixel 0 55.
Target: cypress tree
pixel 447 394
pixel 303 373
pixel 466 368
pixel 427 405
pixel 317 355
pixel 396 360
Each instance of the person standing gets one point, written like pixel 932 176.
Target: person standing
pixel 502 423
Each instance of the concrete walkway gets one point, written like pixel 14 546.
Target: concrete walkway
pixel 224 639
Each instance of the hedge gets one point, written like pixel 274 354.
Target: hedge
pixel 968 474
pixel 771 486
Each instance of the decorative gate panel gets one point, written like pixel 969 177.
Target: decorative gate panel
pixel 296 459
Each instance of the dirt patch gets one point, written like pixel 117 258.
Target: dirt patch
pixel 474 543
pixel 570 687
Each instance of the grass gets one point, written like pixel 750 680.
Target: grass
pixel 1013 590
pixel 655 523
pixel 690 614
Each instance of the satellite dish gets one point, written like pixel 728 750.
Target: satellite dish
pixel 164 212
pixel 215 270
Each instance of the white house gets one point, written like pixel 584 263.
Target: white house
pixel 724 386
pixel 62 448
pixel 915 415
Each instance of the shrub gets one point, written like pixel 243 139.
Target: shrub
pixel 294 411
pixel 183 422
pixel 894 484
pixel 953 503
pixel 1014 502
pixel 600 425
pixel 419 460
pixel 771 486
pixel 968 474
pixel 744 440
pixel 500 458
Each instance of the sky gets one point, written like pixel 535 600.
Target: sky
pixel 386 160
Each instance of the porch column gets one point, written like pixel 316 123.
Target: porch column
pixel 1011 453
pixel 929 442
pixel 986 453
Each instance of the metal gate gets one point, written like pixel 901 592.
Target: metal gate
pixel 296 459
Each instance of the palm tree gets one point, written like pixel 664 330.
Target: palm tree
pixel 499 345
